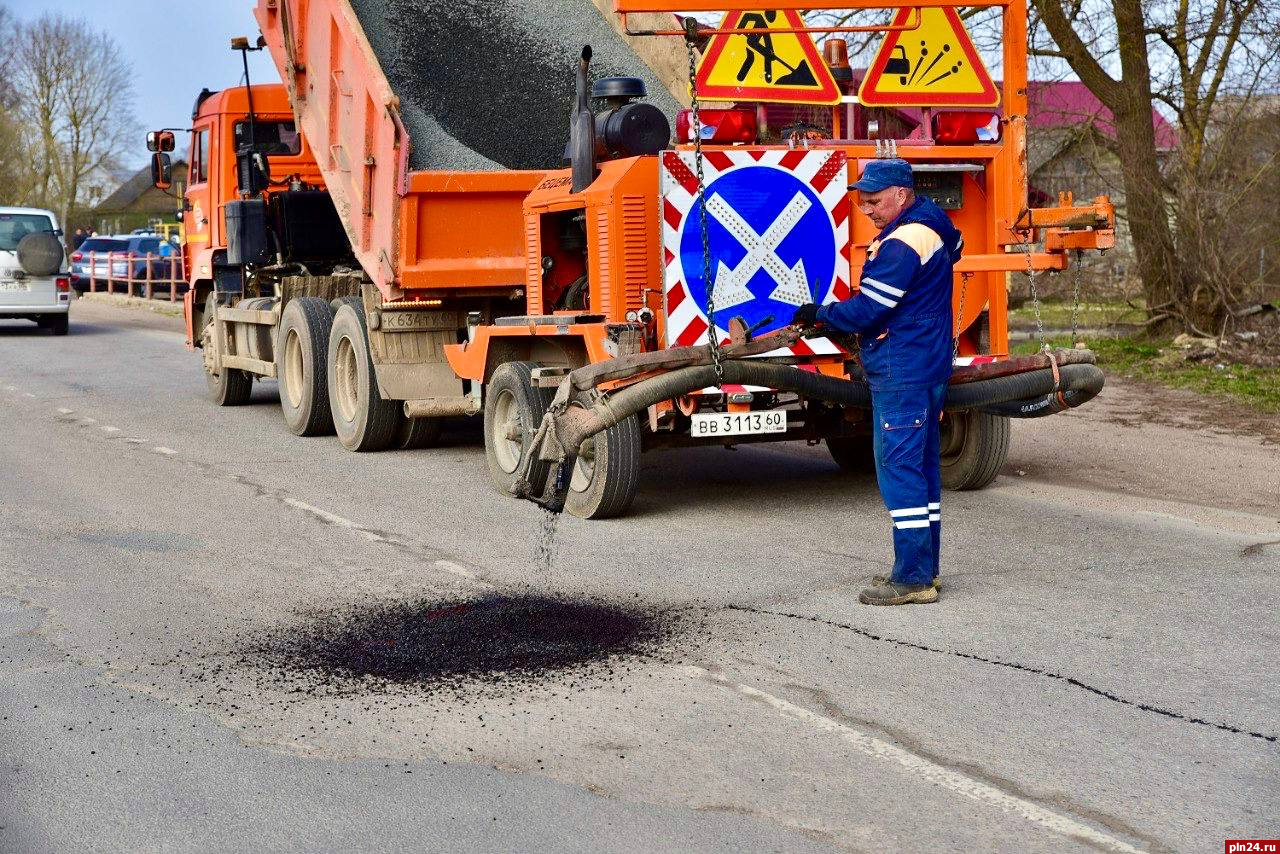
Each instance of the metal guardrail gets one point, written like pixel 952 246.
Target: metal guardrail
pixel 169 267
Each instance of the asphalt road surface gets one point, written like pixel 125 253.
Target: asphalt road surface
pixel 214 636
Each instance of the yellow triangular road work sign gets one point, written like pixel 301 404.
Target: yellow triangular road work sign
pixel 783 68
pixel 935 65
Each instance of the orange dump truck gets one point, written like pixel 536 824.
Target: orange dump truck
pixel 384 296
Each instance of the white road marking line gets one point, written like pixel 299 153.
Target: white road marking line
pixel 27 394
pixel 161 449
pixel 87 420
pixel 456 569
pixel 62 410
pixel 134 440
pixel 374 537
pixel 334 519
pixel 928 770
pixel 107 428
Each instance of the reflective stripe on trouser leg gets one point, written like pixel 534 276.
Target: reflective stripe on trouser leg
pixel 901 434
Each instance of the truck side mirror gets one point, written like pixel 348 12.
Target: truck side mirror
pixel 161 171
pixel 160 140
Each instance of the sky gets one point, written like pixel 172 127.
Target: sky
pixel 175 48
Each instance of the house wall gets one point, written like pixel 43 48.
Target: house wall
pixel 151 206
pixel 1085 168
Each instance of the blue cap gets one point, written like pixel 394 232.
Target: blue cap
pixel 882 174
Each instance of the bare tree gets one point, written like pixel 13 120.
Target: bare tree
pixel 1206 62
pixel 75 94
pixel 15 158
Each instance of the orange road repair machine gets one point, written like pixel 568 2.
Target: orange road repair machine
pixel 638 298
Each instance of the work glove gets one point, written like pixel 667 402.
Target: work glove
pixel 806 315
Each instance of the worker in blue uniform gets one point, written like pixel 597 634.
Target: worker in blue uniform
pixel 902 316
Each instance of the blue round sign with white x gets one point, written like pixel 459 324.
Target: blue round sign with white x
pixel 773 246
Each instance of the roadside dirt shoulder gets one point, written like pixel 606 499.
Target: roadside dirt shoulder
pixel 120 310
pixel 1145 440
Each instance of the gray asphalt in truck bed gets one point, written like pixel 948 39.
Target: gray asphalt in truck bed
pixel 210 634
pixel 489 84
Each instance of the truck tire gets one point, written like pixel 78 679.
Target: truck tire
pixel 513 409
pixel 853 454
pixel 606 474
pixel 232 386
pixel 363 420
pixel 974 446
pixel 415 433
pixel 302 370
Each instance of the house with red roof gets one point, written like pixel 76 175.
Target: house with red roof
pixel 1068 141
pixel 1069 147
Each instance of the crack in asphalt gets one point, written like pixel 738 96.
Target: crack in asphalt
pixel 1013 665
pixel 419 552
pixel 1256 549
pixel 1057 801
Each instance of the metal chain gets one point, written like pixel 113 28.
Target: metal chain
pixel 713 338
pixel 1075 305
pixel 1035 298
pixel 955 340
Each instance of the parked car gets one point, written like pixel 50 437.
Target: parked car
pixel 123 257
pixel 35 283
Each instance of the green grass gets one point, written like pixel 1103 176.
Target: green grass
pixel 1091 315
pixel 1156 360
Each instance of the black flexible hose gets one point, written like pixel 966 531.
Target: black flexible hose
pixel 1082 382
pixel 1079 383
pixel 1084 387
pixel 1026 395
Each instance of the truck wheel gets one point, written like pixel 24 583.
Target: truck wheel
pixel 414 433
pixel 974 446
pixel 230 386
pixel 854 454
pixel 361 418
pixel 513 409
pixel 302 366
pixel 606 473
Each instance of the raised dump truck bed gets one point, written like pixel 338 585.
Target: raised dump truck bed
pixel 395 95
pixel 469 107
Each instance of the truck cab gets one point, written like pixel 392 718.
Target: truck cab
pixel 228 144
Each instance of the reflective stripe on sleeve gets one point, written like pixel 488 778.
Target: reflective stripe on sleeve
pixel 882 300
pixel 881 286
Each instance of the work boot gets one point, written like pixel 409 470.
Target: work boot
pixel 877 580
pixel 893 593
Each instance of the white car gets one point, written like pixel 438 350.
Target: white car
pixel 35 282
